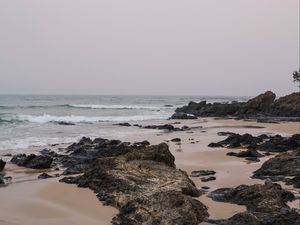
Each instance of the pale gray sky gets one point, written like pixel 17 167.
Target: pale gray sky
pixel 169 47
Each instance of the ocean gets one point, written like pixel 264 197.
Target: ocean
pixel 39 120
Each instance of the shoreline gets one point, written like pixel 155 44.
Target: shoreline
pixel 231 171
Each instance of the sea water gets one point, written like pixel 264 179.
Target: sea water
pixel 38 120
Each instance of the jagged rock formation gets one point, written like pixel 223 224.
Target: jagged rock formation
pixel 264 105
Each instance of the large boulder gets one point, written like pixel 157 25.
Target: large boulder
pixel 143 183
pixel 258 104
pixel 287 106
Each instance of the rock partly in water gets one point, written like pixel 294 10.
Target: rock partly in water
pixel 182 116
pixel 32 161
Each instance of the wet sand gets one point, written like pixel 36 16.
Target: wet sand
pixel 29 201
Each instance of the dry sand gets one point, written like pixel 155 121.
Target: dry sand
pixel 29 201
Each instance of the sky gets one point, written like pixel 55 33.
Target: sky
pixel 153 47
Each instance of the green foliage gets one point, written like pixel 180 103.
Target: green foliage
pixel 296 76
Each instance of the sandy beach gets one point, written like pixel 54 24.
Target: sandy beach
pixel 29 201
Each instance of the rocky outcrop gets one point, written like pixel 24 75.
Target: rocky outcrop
pixel 287 106
pixel 281 168
pixel 204 109
pixel 2 165
pixel 140 180
pixel 266 204
pixel 44 176
pixel 260 107
pixel 32 161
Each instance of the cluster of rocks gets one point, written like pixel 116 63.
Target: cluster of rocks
pixel 266 205
pixel 285 166
pixel 263 142
pixel 139 179
pixel 167 127
pixel 264 105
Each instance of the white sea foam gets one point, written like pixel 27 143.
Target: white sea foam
pixel 46 118
pixel 86 106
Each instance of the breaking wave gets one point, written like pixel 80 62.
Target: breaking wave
pixel 46 118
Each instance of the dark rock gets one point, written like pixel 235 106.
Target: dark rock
pixel 143 183
pixel 142 143
pixel 2 165
pixel 206 179
pixel 205 187
pixel 287 106
pixel 199 173
pixel 65 123
pixel 252 159
pixel 44 176
pixel 240 219
pixel 225 133
pixel 265 202
pixel 2 182
pixel 176 140
pixel 258 104
pixel 215 145
pixel 123 124
pixel 182 116
pixel 275 143
pixel 32 161
pixel 281 166
pixel 168 127
pixel 260 107
pixel 7 155
pixel 250 153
